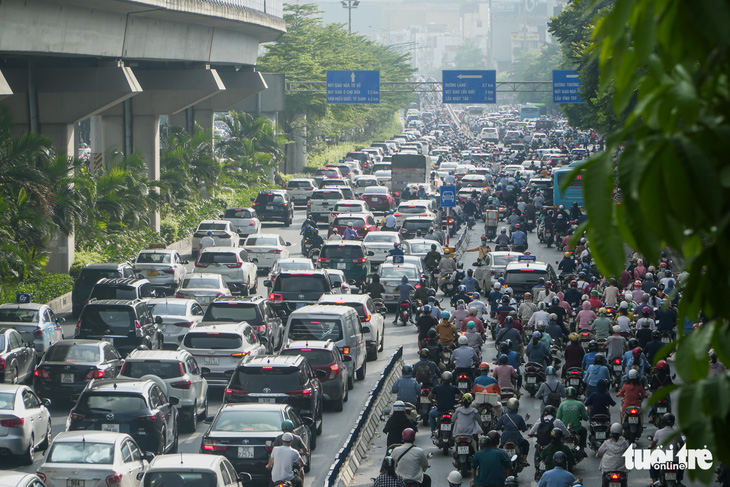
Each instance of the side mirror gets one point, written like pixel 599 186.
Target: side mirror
pixel 370 253
pixel 282 314
pixel 149 456
pixel 476 264
pixel 140 475
pixel 268 283
pixel 347 358
pixel 321 374
pixel 209 419
pixel 527 416
pixel 307 419
pixel 387 410
pixel 288 244
pixel 174 400
pixel 244 477
pixel 158 320
pixel 220 216
pixel 160 294
pixel 46 402
pixel 184 262
pixel 366 329
pixel 60 319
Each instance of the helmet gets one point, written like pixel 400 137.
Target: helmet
pixel 617 429
pixel 467 398
pixel 571 392
pixel 485 366
pixel 573 337
pixel 472 311
pixel 662 365
pixel 623 305
pixel 445 315
pixel 407 370
pixel 645 313
pixel 594 293
pixel 653 291
pixel 454 477
pixel 636 351
pixel 566 254
pixel 471 325
pixel 431 292
pixel 446 376
pixel 475 295
pixel 668 420
pixel 541 325
pixel 494 436
pixel 633 374
pixel 287 437
pixel 388 462
pixel 503 359
pixel 497 286
pixel 561 207
pixel 505 299
pixel 541 280
pixel 556 300
pixel 656 334
pixel 424 353
pixel 462 288
pixel 527 295
pixel 463 340
pixel 550 371
pixel 556 434
pixel 391 212
pixel 432 333
pixel 399 406
pixel 637 284
pixel 549 410
pixel 616 329
pixel 581 275
pixel 592 345
pixel 349 224
pixel 503 230
pixel 209 233
pixel 537 335
pixel 599 359
pixel 553 317
pixel 484 238
pixel 513 404
pixel 574 283
pixel 409 435
pixel 509 320
pixel 561 216
pixel 287 425
pixel 541 305
pixel 633 343
pixel 427 309
pixel 395 245
pixel 517 226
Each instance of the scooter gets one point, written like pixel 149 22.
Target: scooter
pixel 574 378
pixel 517 463
pixel 404 314
pixel 617 369
pixel 598 431
pixel 463 383
pixel 633 425
pixel 534 376
pixel 424 405
pixel 615 479
pixel 463 454
pixel 487 416
pixel 573 443
pixel 444 428
pixel 490 232
pixel 662 407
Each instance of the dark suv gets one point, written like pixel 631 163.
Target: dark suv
pixel 349 256
pixel 137 407
pixel 256 311
pixel 279 379
pixel 89 275
pixel 292 290
pixel 124 288
pixel 124 323
pixel 274 205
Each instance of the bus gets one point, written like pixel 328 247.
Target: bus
pixel 574 192
pixel 529 111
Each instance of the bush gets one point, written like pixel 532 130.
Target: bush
pixel 82 258
pixel 41 289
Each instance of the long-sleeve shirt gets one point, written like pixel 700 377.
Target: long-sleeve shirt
pixel 632 393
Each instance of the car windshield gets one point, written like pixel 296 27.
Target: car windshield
pixel 233 312
pixel 111 402
pixel 423 247
pixel 218 258
pixel 81 452
pixel 359 307
pixel 116 319
pixel 7 400
pixel 167 308
pixel 163 370
pixel 422 225
pixel 314 357
pixel 166 478
pixel 378 237
pixel 247 420
pixel 238 213
pixel 315 329
pixel 70 352
pixel 348 207
pixel 346 252
pixel 153 258
pixel 398 273
pixel 262 241
pixel 520 278
pixel 114 292
pixel 18 315
pixel 213 340
pixel 310 284
pixel 366 183
pixel 211 226
pixel 201 283
pixel 344 221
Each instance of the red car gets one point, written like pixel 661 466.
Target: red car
pixel 361 222
pixel 378 198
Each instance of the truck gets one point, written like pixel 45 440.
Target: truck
pixel 408 169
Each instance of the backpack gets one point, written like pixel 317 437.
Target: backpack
pixel 553 397
pixel 422 372
pixel 543 432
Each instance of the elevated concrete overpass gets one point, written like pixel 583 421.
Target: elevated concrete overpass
pixel 124 63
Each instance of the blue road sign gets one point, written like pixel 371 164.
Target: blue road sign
pixel 470 86
pixel 22 298
pixel 448 196
pixel 566 86
pixel 348 87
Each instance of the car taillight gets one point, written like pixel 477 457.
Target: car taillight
pixel 235 266
pixel 182 384
pixel 42 373
pixel 179 295
pixel 366 318
pixel 309 203
pixel 76 416
pixel 2 363
pixel 202 266
pixel 209 445
pixel 149 417
pixel 346 350
pixel 95 374
pixel 261 328
pixel 303 392
pixel 276 297
pixel 169 270
pixel 275 251
pixel 334 370
pixel 137 270
pixel 115 479
pixel 360 261
pixel 12 423
pixel 38 333
pixel 239 354
pixel 236 392
pixel 323 260
pixel 183 324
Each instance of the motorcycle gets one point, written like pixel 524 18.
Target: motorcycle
pixel 615 479
pixel 486 413
pixel 404 313
pixel 463 383
pixel 585 339
pixel 424 405
pixel 598 431
pixel 633 425
pixel 519 247
pixel 501 248
pixel 445 357
pixel 662 407
pixel 573 443
pixel 449 287
pixel 444 428
pixel 463 454
pixel 309 244
pixel 668 477
pixel 617 370
pixel 490 232
pixel 512 451
pixel 534 376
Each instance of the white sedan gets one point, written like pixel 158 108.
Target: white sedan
pixel 383 176
pixel 93 459
pixel 244 220
pixel 203 287
pixel 164 268
pixel 221 230
pixel 348 206
pixel 178 316
pixel 380 243
pixel 265 249
pixel 25 422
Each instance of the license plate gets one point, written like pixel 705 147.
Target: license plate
pixel 268 207
pixel 67 378
pixel 670 476
pixel 110 427
pixel 618 368
pixel 424 400
pixel 245 452
pixel 462 450
pixel 661 410
pixel 211 361
pixel 573 382
pixel 267 400
pixel 151 273
pixel 531 380
pixel 75 483
pixel 462 385
pixel 376 199
pixel 342 266
pixel 666 339
pixel 510 452
pixel 486 418
pixel 600 435
pixel 633 419
pixel 615 484
pixel 446 427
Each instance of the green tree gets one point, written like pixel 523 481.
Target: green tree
pixel 470 56
pixel 537 66
pixel 665 67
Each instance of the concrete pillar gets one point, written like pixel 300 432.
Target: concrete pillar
pixel 179 119
pixel 112 134
pixel 96 161
pixel 204 117
pixel 146 134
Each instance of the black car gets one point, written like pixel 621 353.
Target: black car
pixel 269 379
pixel 69 365
pixel 245 433
pixel 256 310
pixel 126 324
pixel 292 290
pixel 274 205
pixel 412 225
pixel 89 276
pixel 136 407
pixel 17 358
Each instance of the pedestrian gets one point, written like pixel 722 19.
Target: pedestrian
pixel 206 241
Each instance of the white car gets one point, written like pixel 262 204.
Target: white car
pixel 265 249
pixel 390 278
pixel 232 264
pixel 363 182
pixel 178 315
pixel 489 134
pixel 222 232
pixel 300 190
pixel 413 208
pixel 244 220
pixel 35 322
pixel 383 176
pixel 372 319
pixel 203 288
pixel 192 469
pixel 380 243
pixel 93 459
pixel 164 268
pixel 348 206
pixel 420 247
pixel 181 375
pixel 25 422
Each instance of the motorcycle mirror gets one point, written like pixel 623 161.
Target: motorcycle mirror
pixel 514 458
pixel 527 416
pixel 650 438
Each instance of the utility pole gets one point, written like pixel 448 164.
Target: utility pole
pixel 349 5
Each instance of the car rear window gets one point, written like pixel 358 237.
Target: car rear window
pixel 364 183
pixel 418 224
pixel 357 222
pixel 301 284
pixel 198 283
pixel 18 315
pixel 313 356
pixel 348 207
pixel 113 292
pixel 421 247
pixel 398 272
pixel 111 402
pixel 81 452
pixel 343 252
pixel 263 241
pixel 359 307
pixel 90 276
pixel 247 420
pixel 153 258
pixel 164 370
pixel 69 352
pixel 7 400
pixel 162 478
pixel 380 190
pixel 278 379
pixel 213 340
pixel 327 195
pixel 294 266
pixel 379 238
pixel 413 209
pixel 166 308
pixel 299 185
pixel 212 226
pixel 238 213
pixel 315 329
pixel 115 319
pixel 264 198
pixel 523 277
pixel 233 312
pixel 218 258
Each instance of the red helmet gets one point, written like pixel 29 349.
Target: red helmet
pixel 573 283
pixel 662 365
pixel 637 351
pixel 517 226
pixel 409 435
pixel 548 285
pixel 637 284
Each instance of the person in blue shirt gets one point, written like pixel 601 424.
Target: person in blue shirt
pixel 407 389
pixel 637 360
pixel 470 282
pixel 494 298
pixel 590 354
pixel 518 237
pixel 558 476
pixel 600 401
pixel 596 372
pixel 404 290
pixel 350 232
pixel 396 250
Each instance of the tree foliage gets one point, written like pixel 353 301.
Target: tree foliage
pixel 470 56
pixel 537 66
pixel 664 65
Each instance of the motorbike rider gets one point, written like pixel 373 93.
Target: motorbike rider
pixel 540 315
pixel 558 475
pixel 611 452
pixel 537 288
pixel 490 464
pixel 537 352
pixel 388 477
pixel 635 360
pixel 567 265
pixel 431 259
pixel 660 378
pixel 557 445
pixel 509 333
pixel 411 461
pixel 557 331
pixel 484 382
pixel 653 346
pixel 495 298
pixel 397 423
pixel 632 391
pixel 518 238
pixel 425 371
pixel 470 283
pixel 406 387
pixel 389 222
pixel 474 338
pixel 601 326
pixel 404 290
pixel 664 438
pixel 477 304
pixel 431 235
pixel 464 358
pixel 467 420
pixel 432 345
pixel 600 401
pixel 572 295
pixel 511 423
pixel 446 267
pixel 445 396
pixel 611 293
pixel 424 323
pixel 375 289
pixel 596 372
pixel 297 443
pixel 472 317
pixel 573 353
pixel 350 232
pixel 502 239
pixel 505 374
pixel 396 250
pixel 446 330
pixel 590 355
pixel 551 391
pixel 560 227
pixel 335 237
pixel 571 412
pixel 282 460
pixel 483 248
pixel 557 309
pixel 527 308
pixel 542 429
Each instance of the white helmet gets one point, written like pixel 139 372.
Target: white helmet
pixel 454 477
pixel 616 329
pixel 616 429
pixel 463 340
pixel 399 406
pixel 497 286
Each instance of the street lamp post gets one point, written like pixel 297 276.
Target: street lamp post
pixel 349 5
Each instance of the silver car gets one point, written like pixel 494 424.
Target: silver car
pixel 25 422
pixel 203 287
pixel 391 276
pixel 178 315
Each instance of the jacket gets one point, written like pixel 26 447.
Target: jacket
pixel 612 455
pixel 466 421
pixel 446 331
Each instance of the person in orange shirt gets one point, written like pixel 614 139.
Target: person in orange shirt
pixel 633 392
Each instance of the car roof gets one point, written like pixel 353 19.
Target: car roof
pixel 353 215
pixel 214 221
pixel 157 355
pixel 171 300
pixel 239 299
pixel 79 341
pixel 299 344
pixel 220 249
pixel 423 241
pixel 274 361
pixel 227 327
pixel 344 243
pixel 350 202
pixel 12 388
pixel 120 281
pixel 405 265
pixel 115 302
pixel 344 298
pixel 105 266
pixel 119 385
pixel 322 309
pixel 516 265
pixel 292 260
pixel 157 251
pixel 90 435
pixel 418 217
pixel 265 235
pixel 180 461
pixel 31 306
pixel 416 202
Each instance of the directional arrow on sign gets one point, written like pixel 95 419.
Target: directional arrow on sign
pixel 352 77
pixel 571 76
pixel 469 76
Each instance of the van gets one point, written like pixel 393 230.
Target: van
pixel 341 324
